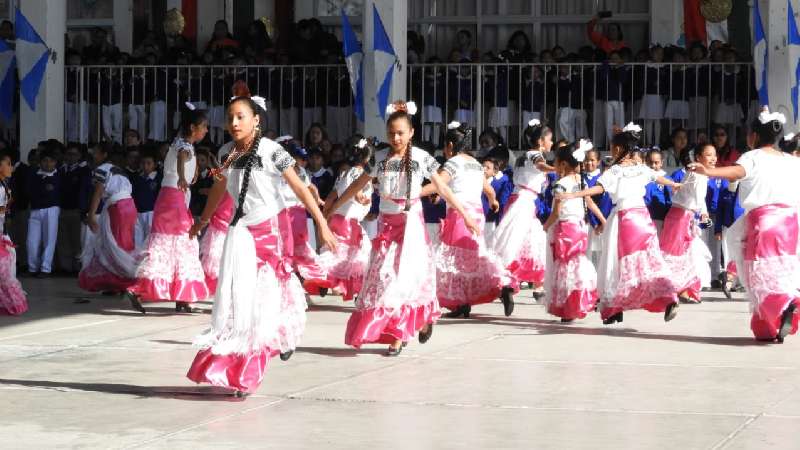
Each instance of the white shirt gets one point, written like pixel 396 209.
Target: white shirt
pixel 692 195
pixel 466 179
pixel 392 178
pixel 263 199
pixel 116 185
pixel 572 209
pixel 526 175
pixel 289 198
pixel 627 185
pixel 352 209
pixel 769 179
pixel 171 163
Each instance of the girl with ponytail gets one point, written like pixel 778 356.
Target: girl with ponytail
pixel 259 305
pixel 398 296
pixel 763 242
pixel 467 273
pixel 519 239
pixel 170 269
pixel 632 271
pixel 347 265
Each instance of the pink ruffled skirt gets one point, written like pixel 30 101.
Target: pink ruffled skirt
pixel 520 241
pixel 12 298
pixel 96 277
pixel 170 269
pixel 213 241
pixel 572 279
pixel 294 231
pixel 680 243
pixel 466 272
pixel 376 318
pixel 346 266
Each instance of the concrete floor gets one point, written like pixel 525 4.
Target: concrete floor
pixel 96 375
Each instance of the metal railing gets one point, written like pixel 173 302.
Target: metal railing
pixel 576 100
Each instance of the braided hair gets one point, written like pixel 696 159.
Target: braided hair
pixel 790 145
pixel 767 133
pixel 533 133
pixel 626 140
pixel 565 155
pixel 250 159
pixel 461 138
pixel 401 112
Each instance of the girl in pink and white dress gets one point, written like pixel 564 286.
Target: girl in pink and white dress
pixel 213 241
pixel 632 272
pixel 686 253
pixel 12 297
pixel 398 297
pixel 170 269
pixel 571 282
pixel 519 239
pixel 764 241
pixel 259 305
pixel 467 273
pixel 348 264
pixel 109 258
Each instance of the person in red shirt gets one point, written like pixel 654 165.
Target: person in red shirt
pixel 608 42
pixel 726 154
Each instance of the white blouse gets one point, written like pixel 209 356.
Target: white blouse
pixel 769 179
pixel 352 209
pixel 627 185
pixel 116 186
pixel 289 198
pixel 171 163
pixel 692 195
pixel 392 178
pixel 526 175
pixel 263 199
pixel 572 209
pixel 466 179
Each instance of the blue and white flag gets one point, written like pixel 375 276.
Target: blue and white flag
pixel 32 58
pixel 794 52
pixel 760 55
pixel 8 73
pixel 385 61
pixel 354 57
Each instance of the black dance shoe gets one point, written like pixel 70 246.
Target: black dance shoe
pixel 391 351
pixel 323 292
pixel 185 307
pixel 134 301
pixel 567 320
pixel 241 394
pixel 456 313
pixel 426 336
pixel 613 319
pixel 671 312
pixel 786 323
pixel 506 295
pixel 285 356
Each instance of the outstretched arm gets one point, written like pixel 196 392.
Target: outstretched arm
pixel 731 173
pixel 351 191
pixel 215 195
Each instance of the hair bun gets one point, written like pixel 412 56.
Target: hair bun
pixel 240 89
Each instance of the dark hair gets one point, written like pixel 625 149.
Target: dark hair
pixel 653 151
pixel 493 161
pixel 6 155
pixel 250 158
pixel 534 133
pixel 627 140
pixel 678 130
pixel 790 146
pixel 257 110
pixel 767 133
pixel 307 140
pixel 460 137
pixel 528 47
pixel 401 112
pixel 498 140
pixel 360 156
pixel 594 151
pixel 687 156
pixel 619 30
pixel 564 154
pixel 189 118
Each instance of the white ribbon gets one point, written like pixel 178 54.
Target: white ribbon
pixel 789 137
pixel 453 125
pixel 583 146
pixel 362 144
pixel 411 108
pixel 766 117
pixel 283 139
pixel 632 127
pixel 260 101
pixel 534 123
pixel 190 106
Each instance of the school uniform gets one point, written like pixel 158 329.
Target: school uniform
pixel 371 226
pixel 75 108
pixel 697 88
pixel 503 188
pixel 433 102
pixel 434 214
pixel 111 99
pixel 461 92
pixel 611 81
pixel 134 95
pixel 544 201
pixel 44 188
pixel 291 101
pixel 652 106
pixel 313 97
pixel 604 203
pixel 20 209
pixel 323 180
pixel 144 191
pixel 566 115
pixel 532 97
pixel 496 95
pixel 658 201
pixel 157 96
pixel 68 244
pixel 678 105
pixel 714 196
pixel 198 200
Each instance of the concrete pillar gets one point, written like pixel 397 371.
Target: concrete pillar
pixel 208 12
pixel 263 8
pixel 47 121
pixel 394 15
pixel 666 21
pixel 123 25
pixel 782 60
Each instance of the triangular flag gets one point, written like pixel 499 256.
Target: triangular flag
pixel 8 72
pixel 794 44
pixel 354 57
pixel 385 60
pixel 760 55
pixel 33 64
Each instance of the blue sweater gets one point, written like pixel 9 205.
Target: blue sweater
pixel 145 192
pixel 45 189
pixel 502 191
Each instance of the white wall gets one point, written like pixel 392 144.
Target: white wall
pixel 208 12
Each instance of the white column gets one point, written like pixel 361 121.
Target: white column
pixel 666 21
pixel 208 12
pixel 782 61
pixel 263 8
pixel 177 4
pixel 47 121
pixel 394 15
pixel 123 25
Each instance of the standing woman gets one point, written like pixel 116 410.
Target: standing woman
pixel 764 242
pixel 519 239
pixel 348 264
pixel 170 269
pixel 259 306
pixel 466 272
pixel 632 272
pixel 398 297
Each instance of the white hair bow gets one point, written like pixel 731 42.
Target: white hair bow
pixel 411 109
pixel 534 123
pixel 766 117
pixel 285 138
pixel 584 145
pixel 190 106
pixel 453 125
pixel 632 127
pixel 789 137
pixel 260 101
pixel 362 144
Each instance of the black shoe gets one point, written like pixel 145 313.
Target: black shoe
pixel 786 323
pixel 465 310
pixel 426 336
pixel 727 285
pixel 185 307
pixel 613 319
pixel 285 356
pixel 456 313
pixel 28 274
pixel 135 303
pixel 567 320
pixel 671 312
pixel 42 275
pixel 405 344
pixel 507 297
pixel 241 394
pixel 394 351
pixel 323 292
pixel 716 284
